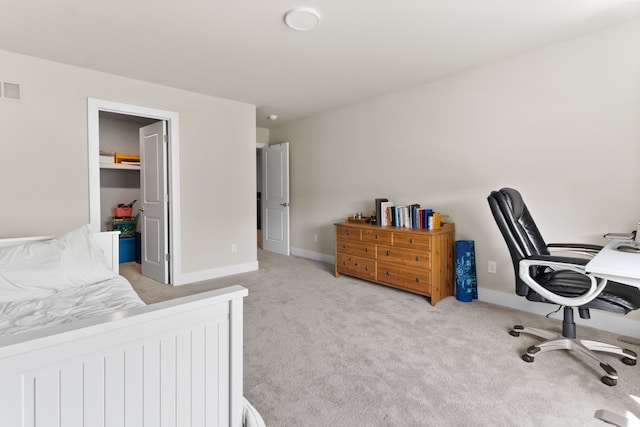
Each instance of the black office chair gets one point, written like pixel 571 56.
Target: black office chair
pixel 542 277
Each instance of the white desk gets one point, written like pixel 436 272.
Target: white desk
pixel 623 267
pixel 619 266
pixel 613 264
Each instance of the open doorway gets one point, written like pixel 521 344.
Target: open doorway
pixel 259 147
pixel 139 116
pixel 119 133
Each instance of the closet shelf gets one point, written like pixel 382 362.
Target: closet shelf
pixel 119 166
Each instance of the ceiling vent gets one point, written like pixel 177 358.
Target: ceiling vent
pixel 10 91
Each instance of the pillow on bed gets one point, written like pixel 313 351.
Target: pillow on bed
pixel 35 269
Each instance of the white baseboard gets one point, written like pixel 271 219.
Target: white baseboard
pixel 611 322
pixel 316 256
pixel 216 273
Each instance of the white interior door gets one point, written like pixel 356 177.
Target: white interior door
pixel 154 202
pixel 275 198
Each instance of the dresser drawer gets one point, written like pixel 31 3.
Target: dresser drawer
pixel 351 233
pixel 407 257
pixel 412 240
pixel 356 266
pixel 410 278
pixel 382 237
pixel 354 247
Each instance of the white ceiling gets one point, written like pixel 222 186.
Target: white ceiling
pixel 241 49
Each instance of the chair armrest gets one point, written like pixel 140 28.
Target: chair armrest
pixel 560 263
pixel 578 248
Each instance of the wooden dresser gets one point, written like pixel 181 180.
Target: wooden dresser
pixel 418 261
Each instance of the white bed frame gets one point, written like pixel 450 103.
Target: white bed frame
pixel 173 363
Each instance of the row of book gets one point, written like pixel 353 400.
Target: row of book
pixel 409 216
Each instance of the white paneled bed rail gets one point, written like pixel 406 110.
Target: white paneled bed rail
pixel 173 363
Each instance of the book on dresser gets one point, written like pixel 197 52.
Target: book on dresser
pixel 412 259
pixel 379 201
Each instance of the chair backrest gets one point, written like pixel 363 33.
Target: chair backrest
pixel 518 229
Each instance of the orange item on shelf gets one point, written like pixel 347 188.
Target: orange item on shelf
pixel 126 157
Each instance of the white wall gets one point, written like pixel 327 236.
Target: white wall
pixel 262 135
pixel 561 124
pixel 45 168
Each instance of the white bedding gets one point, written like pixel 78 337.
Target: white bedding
pixel 67 305
pixel 64 279
pixel 59 280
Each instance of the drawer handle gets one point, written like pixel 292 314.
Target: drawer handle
pixel 366 268
pixel 344 246
pixel 388 253
pixel 376 237
pixel 417 280
pixel 417 258
pixel 410 240
pixel 344 262
pixel 388 274
pixel 366 249
pixel 348 233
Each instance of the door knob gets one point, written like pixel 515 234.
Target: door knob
pixel 140 209
pixel 285 204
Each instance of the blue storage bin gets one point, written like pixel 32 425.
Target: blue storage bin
pixel 127 249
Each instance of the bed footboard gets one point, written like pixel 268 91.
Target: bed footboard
pixel 178 362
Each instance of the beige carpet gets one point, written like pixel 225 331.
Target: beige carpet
pixel 321 351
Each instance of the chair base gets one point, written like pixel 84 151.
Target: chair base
pixel 554 341
pixel 615 419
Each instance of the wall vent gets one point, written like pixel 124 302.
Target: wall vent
pixel 11 91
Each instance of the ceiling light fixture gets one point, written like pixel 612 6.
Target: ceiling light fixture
pixel 272 117
pixel 302 18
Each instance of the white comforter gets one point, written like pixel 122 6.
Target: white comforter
pixel 68 305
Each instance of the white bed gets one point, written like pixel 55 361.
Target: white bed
pixel 79 348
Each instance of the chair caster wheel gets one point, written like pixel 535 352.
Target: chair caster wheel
pixel 609 381
pixel 628 361
pixel 529 359
pixel 514 333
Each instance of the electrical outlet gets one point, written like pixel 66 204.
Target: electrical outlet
pixel 315 238
pixel 492 267
pixel 234 248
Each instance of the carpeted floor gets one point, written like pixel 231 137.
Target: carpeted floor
pixel 321 351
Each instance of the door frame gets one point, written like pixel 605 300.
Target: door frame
pixel 94 107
